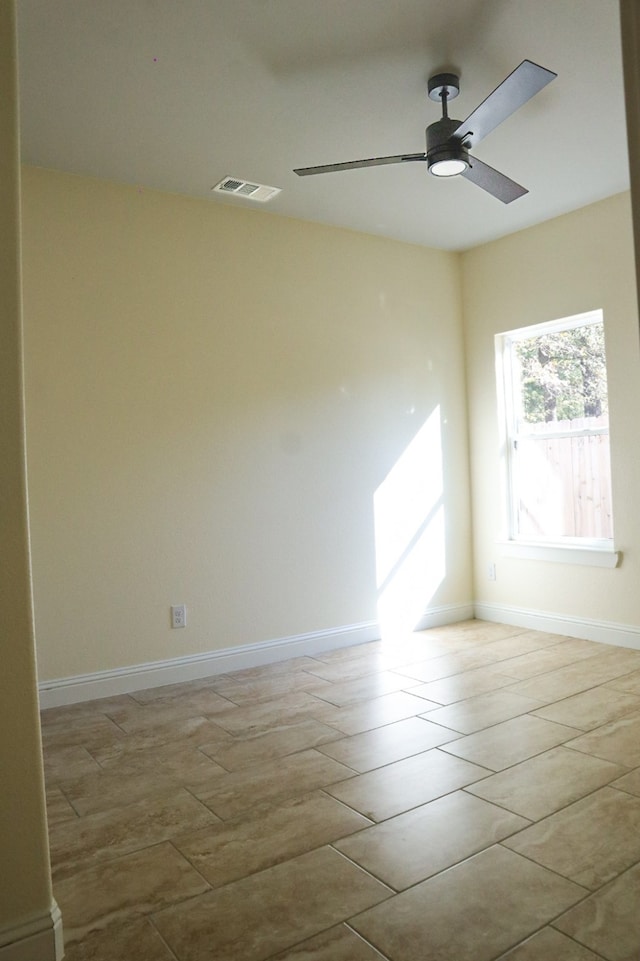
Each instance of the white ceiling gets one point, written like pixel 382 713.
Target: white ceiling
pixel 177 94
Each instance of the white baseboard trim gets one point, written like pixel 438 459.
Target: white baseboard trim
pixel 124 680
pixel 449 614
pixel 39 939
pixel 606 632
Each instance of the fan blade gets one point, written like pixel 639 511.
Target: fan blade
pixel 524 83
pixel 352 164
pixel 495 183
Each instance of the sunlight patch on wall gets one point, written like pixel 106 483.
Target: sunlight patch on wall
pixel 410 532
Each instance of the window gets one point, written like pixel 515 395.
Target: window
pixel 553 385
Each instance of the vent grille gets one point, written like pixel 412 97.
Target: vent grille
pixel 229 184
pixel 244 188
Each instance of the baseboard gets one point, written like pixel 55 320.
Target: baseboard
pixel 124 680
pixel 138 677
pixel 37 940
pixel 606 632
pixel 449 614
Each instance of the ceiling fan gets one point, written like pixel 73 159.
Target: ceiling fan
pixel 449 141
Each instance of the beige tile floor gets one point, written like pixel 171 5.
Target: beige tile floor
pixel 469 793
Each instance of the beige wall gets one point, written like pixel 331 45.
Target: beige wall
pixel 25 889
pixel 214 395
pixel 575 263
pixel 630 36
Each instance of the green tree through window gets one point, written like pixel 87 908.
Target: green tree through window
pixel 563 375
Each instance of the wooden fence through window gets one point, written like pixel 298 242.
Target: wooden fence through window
pixel 565 481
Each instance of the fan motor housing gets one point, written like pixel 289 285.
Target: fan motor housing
pixel 441 144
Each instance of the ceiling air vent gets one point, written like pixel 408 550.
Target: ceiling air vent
pixel 243 188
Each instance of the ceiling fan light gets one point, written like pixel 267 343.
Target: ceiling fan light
pixel 448 167
pixel 446 155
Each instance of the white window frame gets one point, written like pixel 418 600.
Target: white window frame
pixel 581 550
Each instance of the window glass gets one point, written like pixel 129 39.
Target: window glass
pixel 553 382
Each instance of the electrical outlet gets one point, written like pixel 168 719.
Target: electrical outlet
pixel 491 571
pixel 178 615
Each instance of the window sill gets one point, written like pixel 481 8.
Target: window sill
pixel 562 553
